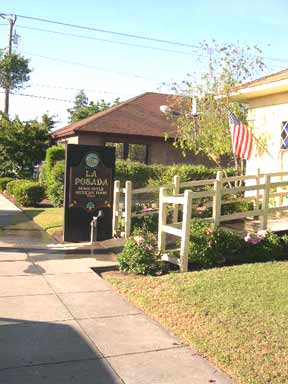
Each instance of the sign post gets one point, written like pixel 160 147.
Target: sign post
pixel 89 183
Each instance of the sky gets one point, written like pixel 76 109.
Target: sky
pixel 63 64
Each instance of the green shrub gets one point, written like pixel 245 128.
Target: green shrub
pixel 263 246
pixel 158 174
pixel 164 174
pixel 55 187
pixel 12 184
pixel 136 172
pixel 4 181
pixel 140 255
pixel 54 178
pixel 28 193
pixel 145 223
pixel 41 175
pixel 53 154
pixel 210 247
pixel 238 206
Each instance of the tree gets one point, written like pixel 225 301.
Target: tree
pixel 208 130
pixel 83 108
pixel 22 145
pixel 14 72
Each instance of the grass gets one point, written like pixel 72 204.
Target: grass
pixel 50 219
pixel 235 316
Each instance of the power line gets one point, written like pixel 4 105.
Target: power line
pixel 163 41
pixel 111 32
pixel 42 97
pixel 111 41
pixel 79 89
pixel 198 47
pixel 192 53
pixel 129 74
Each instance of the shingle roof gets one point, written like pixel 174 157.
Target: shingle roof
pixel 139 116
pixel 281 75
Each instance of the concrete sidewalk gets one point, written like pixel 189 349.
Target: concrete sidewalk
pixel 61 323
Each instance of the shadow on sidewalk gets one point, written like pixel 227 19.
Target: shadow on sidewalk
pixel 35 352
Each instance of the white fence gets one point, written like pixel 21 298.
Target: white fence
pixel 263 189
pixel 263 186
pixel 127 195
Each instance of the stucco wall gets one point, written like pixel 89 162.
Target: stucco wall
pixel 70 140
pixel 265 116
pixel 165 153
pixel 159 151
pixel 91 140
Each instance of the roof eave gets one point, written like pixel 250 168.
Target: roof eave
pixel 253 92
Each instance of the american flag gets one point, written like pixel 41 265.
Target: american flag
pixel 242 137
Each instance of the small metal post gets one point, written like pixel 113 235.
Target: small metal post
pixel 94 235
pixel 116 210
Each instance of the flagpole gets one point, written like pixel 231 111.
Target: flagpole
pixel 262 145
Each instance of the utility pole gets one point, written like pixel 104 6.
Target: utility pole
pixel 12 21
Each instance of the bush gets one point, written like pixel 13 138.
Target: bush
pixel 140 255
pixel 136 172
pixel 12 184
pixel 4 181
pixel 158 174
pixel 55 188
pixel 213 247
pixel 164 174
pixel 41 175
pixel 145 223
pixel 263 246
pixel 210 247
pixel 54 174
pixel 53 154
pixel 28 193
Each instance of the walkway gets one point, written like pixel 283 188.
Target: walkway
pixel 61 323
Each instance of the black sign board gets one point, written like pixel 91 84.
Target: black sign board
pixel 88 188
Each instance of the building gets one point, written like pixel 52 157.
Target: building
pixel 267 100
pixel 138 125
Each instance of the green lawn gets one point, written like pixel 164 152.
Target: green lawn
pixel 50 219
pixel 235 316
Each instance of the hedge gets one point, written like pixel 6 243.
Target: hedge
pixel 4 181
pixel 12 185
pixel 53 154
pixel 55 187
pixel 158 174
pixel 27 193
pixel 139 173
pixel 53 172
pixel 134 171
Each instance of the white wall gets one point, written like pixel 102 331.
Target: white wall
pixel 265 116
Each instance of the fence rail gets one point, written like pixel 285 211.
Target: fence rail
pixel 217 217
pixel 263 186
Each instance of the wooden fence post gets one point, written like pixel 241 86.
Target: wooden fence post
pixel 162 219
pixel 257 200
pixel 128 208
pixel 176 191
pixel 265 203
pixel 184 249
pixel 217 199
pixel 116 198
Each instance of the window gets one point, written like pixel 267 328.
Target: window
pixel 284 135
pixel 138 152
pixel 119 149
pixel 133 152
